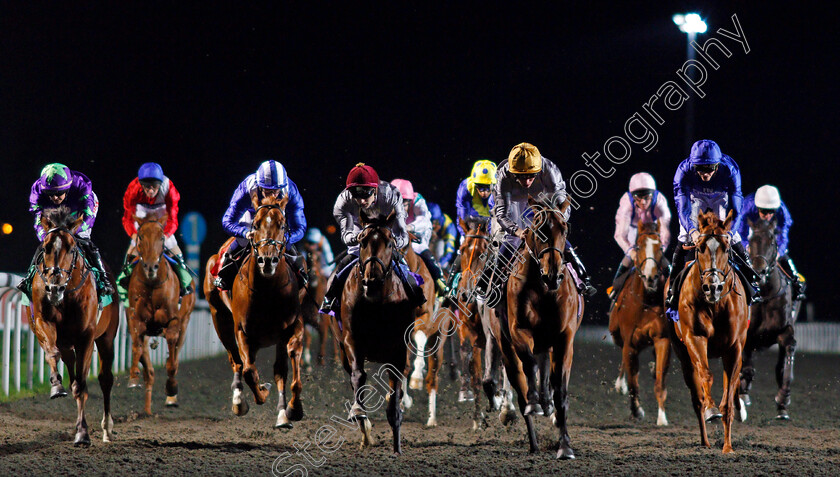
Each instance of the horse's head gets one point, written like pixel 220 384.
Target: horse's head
pixel 649 255
pixel 60 252
pixel 763 248
pixel 713 253
pixel 269 233
pixel 473 251
pixel 376 251
pixel 150 238
pixel 546 240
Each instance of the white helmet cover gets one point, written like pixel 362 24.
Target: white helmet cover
pixel 767 197
pixel 642 180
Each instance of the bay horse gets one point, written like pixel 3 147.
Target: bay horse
pixel 474 328
pixel 310 304
pixel 155 308
pixel 67 320
pixel 637 320
pixel 375 315
pixel 712 322
pixel 538 323
pixel 426 338
pixel 262 309
pixel 771 320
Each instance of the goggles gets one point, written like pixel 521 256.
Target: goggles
pixel 642 193
pixel 767 211
pixel 360 192
pixel 525 176
pixel 705 168
pixel 482 187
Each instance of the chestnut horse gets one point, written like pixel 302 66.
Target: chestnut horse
pixel 426 338
pixel 263 309
pixel 474 329
pixel 541 316
pixel 67 320
pixel 154 310
pixel 375 315
pixel 638 320
pixel 712 322
pixel 771 320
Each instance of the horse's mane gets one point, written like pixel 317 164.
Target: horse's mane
pixel 59 217
pixel 647 228
pixel 473 221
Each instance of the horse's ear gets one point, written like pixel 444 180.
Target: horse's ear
pixel 283 202
pixel 46 224
pixel 255 199
pixel 565 206
pixel 77 222
pixel 391 217
pixel 162 219
pixel 730 217
pixel 702 220
pixel 364 218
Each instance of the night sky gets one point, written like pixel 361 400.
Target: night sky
pixel 417 92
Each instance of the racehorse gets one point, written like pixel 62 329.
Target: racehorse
pixel 712 322
pixel 67 320
pixel 474 328
pixel 263 309
pixel 309 305
pixel 771 320
pixel 154 309
pixel 375 315
pixel 637 320
pixel 542 313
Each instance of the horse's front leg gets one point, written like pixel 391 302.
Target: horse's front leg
pixel 662 347
pixel 137 330
pixel 523 344
pixel 84 351
pixel 173 337
pixel 784 372
pixel 46 334
pixel 630 358
pixel 248 355
pixel 294 346
pixel 358 378
pixel 435 360
pixel 747 372
pixel 731 371
pixel 690 359
pixel 546 389
pixel 561 368
pixel 393 412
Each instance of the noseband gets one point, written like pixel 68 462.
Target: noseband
pixel 279 245
pixel 43 271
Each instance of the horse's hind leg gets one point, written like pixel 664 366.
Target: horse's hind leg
pixel 561 369
pixel 435 359
pixel 489 381
pixel 784 372
pixel 79 389
pixel 630 358
pixel 747 372
pixel 662 348
pixel 105 347
pixel 469 379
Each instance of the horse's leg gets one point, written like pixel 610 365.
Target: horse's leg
pixel 281 371
pixel 46 334
pixel 435 359
pixel 420 339
pixel 747 372
pixel 546 389
pixel 630 358
pixel 466 339
pixel 248 355
pixel 784 372
pixel 84 352
pixel 694 379
pixel 223 322
pixel 295 409
pixel 307 348
pixel 561 369
pixel 489 382
pixel 519 382
pixel 148 374
pixel 358 377
pixel 323 335
pixel 393 411
pixel 662 348
pixel 731 371
pixel 172 339
pixel 105 347
pixel 523 344
pixel 138 341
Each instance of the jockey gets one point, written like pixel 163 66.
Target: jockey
pixel 475 196
pixel 419 222
pixel 444 229
pixel 59 186
pixel 270 180
pixel 526 173
pixel 365 191
pixel 315 239
pixel 642 203
pixel 152 194
pixel 707 179
pixel 766 204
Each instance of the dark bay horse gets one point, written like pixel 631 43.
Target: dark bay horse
pixel 375 315
pixel 771 320
pixel 474 329
pixel 263 309
pixel 712 323
pixel 637 320
pixel 542 314
pixel 309 306
pixel 154 309
pixel 67 320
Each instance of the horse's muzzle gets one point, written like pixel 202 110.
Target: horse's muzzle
pixel 267 265
pixel 552 281
pixel 55 293
pixel 712 291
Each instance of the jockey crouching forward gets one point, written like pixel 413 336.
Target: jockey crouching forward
pixel 365 191
pixel 59 186
pixel 707 179
pixel 270 180
pixel 418 221
pixel 524 173
pixel 641 204
pixel 314 241
pixel 152 194
pixel 766 204
pixel 444 230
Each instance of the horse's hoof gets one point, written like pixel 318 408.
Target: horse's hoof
pixel 283 421
pixel 172 401
pixel 565 453
pixel 533 410
pixel 57 392
pixel 638 413
pixel 746 399
pixel 415 383
pixel 742 411
pixel 356 412
pixel 661 419
pixel 82 440
pixel 466 396
pixel 431 422
pixel 240 409
pixel 783 415
pixel 295 413
pixel 712 414
pixel 548 409
pixel 134 383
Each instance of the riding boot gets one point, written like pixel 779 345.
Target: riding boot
pixel 616 286
pixel 413 289
pixel 677 266
pixel 25 284
pixel 435 271
pixel 586 287
pixel 227 271
pixel 742 261
pixel 184 275
pixel 797 282
pixel 335 285
pixel 95 259
pixel 297 263
pixel 124 279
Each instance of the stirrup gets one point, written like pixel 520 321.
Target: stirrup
pixel 219 283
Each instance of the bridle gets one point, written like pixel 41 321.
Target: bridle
pixel 159 258
pixel 279 245
pixel 769 263
pixel 43 271
pixel 714 270
pixel 538 255
pixel 386 269
pixel 658 263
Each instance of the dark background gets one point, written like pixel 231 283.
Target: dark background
pixel 417 91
